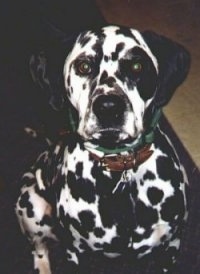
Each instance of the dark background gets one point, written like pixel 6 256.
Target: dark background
pixel 23 32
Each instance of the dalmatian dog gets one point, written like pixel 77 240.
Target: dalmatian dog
pixel 115 185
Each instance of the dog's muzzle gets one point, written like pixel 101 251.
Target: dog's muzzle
pixel 109 111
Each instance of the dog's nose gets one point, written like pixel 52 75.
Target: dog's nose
pixel 109 108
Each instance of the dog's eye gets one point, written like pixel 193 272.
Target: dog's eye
pixel 136 67
pixel 84 68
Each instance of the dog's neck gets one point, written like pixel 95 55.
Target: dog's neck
pixel 129 156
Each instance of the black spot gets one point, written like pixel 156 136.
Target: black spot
pixel 155 195
pixel 145 216
pixel 79 227
pixel 106 211
pixel 81 188
pixel 106 58
pixel 73 141
pixel 66 221
pixel 149 175
pixel 103 77
pixel 98 50
pixel 117 244
pixel 79 169
pixel 68 256
pixel 143 249
pixel 99 232
pixel 96 59
pixel 40 256
pixel 164 168
pixel 137 237
pixel 84 39
pixel 173 206
pixel 68 80
pixel 84 86
pixel 98 245
pixel 115 54
pixel 141 182
pixel 84 246
pixel 24 203
pixel 167 172
pixel 136 40
pixel 46 220
pixel 28 181
pixel 39 233
pixel 125 31
pixel 20 212
pixel 87 220
pixel 106 80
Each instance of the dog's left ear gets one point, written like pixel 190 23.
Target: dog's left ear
pixel 173 65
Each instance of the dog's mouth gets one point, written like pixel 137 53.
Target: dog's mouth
pixel 111 138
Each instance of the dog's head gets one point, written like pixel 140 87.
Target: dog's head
pixel 115 76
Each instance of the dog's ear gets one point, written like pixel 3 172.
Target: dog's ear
pixel 173 65
pixel 46 68
pixel 49 81
pixel 51 84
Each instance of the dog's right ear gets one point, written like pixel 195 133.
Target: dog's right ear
pixel 46 65
pixel 50 83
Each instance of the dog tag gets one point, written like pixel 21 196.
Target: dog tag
pixel 123 182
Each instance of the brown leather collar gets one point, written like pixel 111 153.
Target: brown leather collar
pixel 124 162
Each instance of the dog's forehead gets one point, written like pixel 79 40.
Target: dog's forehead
pixel 115 35
pixel 108 39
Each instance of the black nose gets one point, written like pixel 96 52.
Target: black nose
pixel 109 109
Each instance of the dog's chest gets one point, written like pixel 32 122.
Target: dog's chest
pixel 110 211
pixel 97 215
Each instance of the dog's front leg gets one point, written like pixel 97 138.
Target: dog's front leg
pixel 36 221
pixel 41 258
pixel 70 264
pixel 166 257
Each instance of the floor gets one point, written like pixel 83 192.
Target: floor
pixel 179 20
